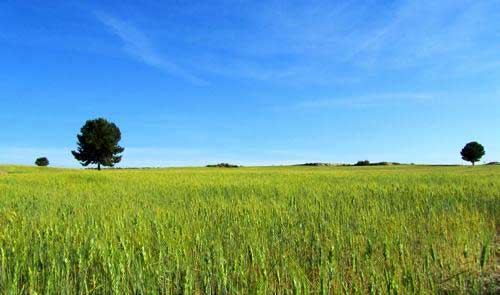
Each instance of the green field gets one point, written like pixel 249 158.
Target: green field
pixel 398 229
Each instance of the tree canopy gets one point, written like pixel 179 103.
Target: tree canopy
pixel 472 152
pixel 42 162
pixel 98 144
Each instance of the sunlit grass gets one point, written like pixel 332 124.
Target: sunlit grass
pixel 405 229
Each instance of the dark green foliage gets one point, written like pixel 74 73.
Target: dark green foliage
pixel 98 144
pixel 472 152
pixel 367 163
pixel 42 162
pixel 223 165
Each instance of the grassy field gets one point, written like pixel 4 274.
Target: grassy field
pixel 358 230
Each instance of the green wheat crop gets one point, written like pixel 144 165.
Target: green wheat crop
pixel 301 230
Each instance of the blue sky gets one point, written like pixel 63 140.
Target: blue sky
pixel 251 82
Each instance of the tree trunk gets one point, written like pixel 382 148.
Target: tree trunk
pixel 473 164
pixel 99 166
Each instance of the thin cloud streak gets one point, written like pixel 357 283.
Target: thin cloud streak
pixel 315 39
pixel 375 100
pixel 433 37
pixel 138 45
pixel 309 43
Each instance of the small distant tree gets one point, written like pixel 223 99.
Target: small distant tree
pixel 98 144
pixel 362 163
pixel 472 152
pixel 42 162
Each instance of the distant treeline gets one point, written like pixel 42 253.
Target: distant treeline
pixel 223 165
pixel 359 163
pixel 367 163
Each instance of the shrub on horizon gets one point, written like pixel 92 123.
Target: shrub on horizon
pixel 42 162
pixel 223 165
pixel 362 163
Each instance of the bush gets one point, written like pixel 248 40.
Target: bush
pixel 367 163
pixel 42 162
pixel 223 165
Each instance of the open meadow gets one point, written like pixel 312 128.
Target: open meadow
pixel 358 230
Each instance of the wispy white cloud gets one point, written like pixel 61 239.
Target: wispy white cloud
pixel 325 42
pixel 297 73
pixel 392 99
pixel 318 40
pixel 138 45
pixel 373 100
pixel 298 42
pixel 434 37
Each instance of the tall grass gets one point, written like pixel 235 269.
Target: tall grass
pixel 377 230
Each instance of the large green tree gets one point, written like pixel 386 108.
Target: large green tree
pixel 98 144
pixel 472 152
